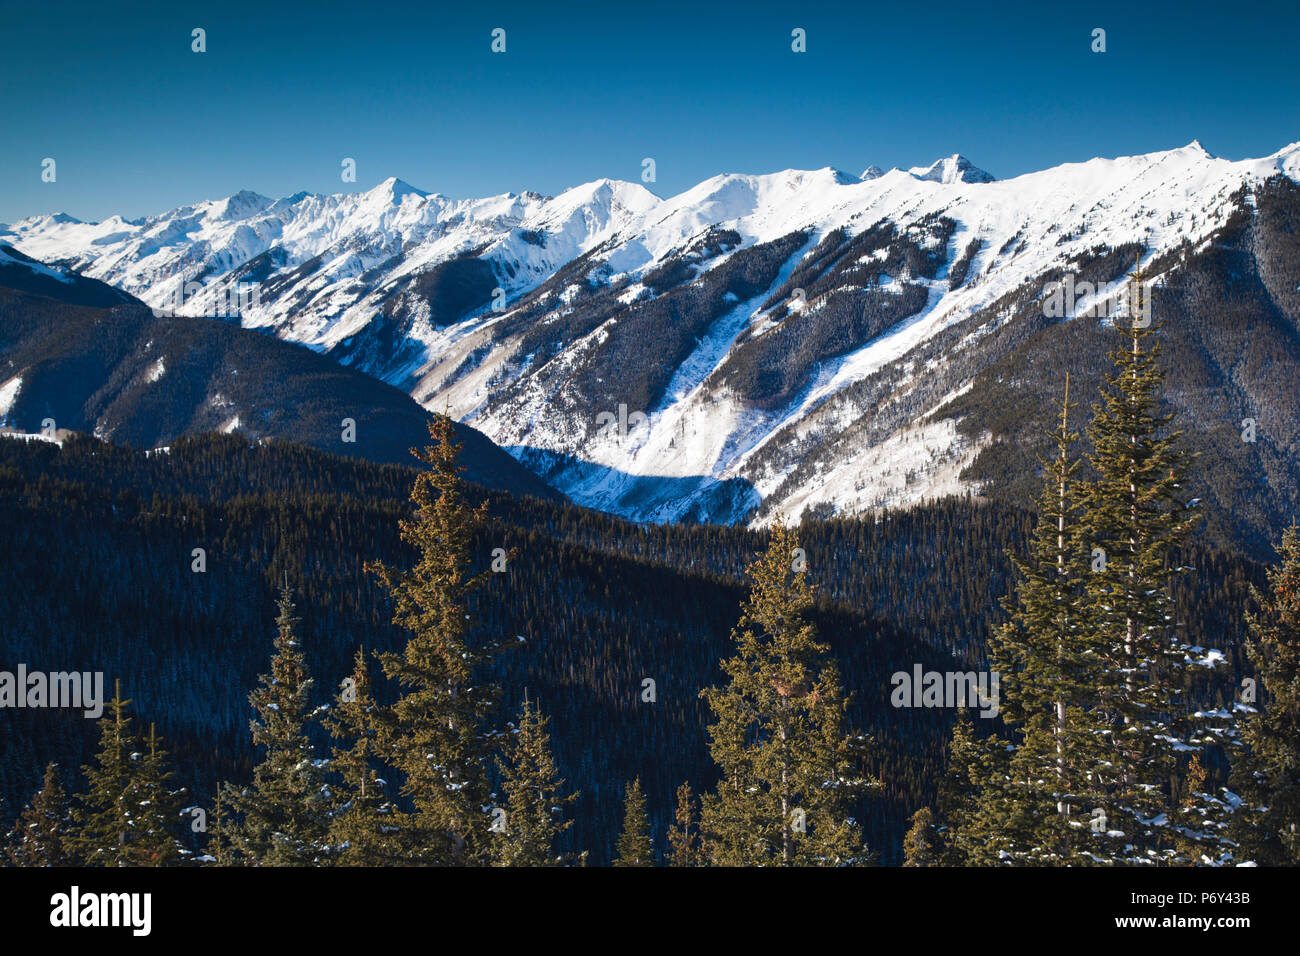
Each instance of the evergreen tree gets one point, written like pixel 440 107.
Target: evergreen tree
pixel 1037 812
pixel 634 847
pixel 362 828
pixel 280 818
pixel 437 736
pixel 684 834
pixel 1135 520
pixel 957 803
pixel 789 770
pixel 103 816
pixel 1268 777
pixel 217 850
pixel 128 815
pixel 156 810
pixel 922 845
pixel 40 834
pixel 534 804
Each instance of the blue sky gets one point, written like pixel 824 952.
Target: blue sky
pixel 138 123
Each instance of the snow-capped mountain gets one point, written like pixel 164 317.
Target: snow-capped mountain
pixel 756 345
pixel 952 169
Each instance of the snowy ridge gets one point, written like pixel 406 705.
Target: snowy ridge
pixel 329 269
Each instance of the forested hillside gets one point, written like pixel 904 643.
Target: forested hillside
pixel 98 546
pixel 146 379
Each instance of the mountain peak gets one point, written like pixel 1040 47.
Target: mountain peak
pixel 842 178
pixel 952 169
pixel 872 172
pixel 397 189
pixel 243 203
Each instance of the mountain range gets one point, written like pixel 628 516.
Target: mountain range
pixel 763 345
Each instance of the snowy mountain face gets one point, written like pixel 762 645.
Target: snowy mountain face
pixel 755 346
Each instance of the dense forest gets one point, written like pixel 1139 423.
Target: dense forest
pixel 98 559
pixel 419 654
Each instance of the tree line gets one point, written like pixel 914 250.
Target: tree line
pixel 427 779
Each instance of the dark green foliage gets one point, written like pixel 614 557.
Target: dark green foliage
pixel 1135 516
pixel 844 307
pixel 81 290
pixel 534 801
pixel 41 833
pixel 684 833
pixel 922 845
pixel 957 274
pixel 635 846
pixel 790 769
pixel 629 600
pixel 1036 810
pixel 1269 779
pixel 454 288
pixel 363 820
pixel 280 818
pixel 129 812
pixel 436 732
pixel 680 264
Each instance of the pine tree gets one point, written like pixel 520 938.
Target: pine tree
pixel 789 769
pixel 128 814
pixel 1268 776
pixel 1135 520
pixel 102 818
pixel 1037 811
pixel 156 809
pixel 684 834
pixel 634 847
pixel 217 849
pixel 40 834
pixel 280 818
pixel 956 822
pixel 362 828
pixel 437 736
pixel 922 845
pixel 534 803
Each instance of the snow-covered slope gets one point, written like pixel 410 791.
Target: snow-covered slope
pixel 755 340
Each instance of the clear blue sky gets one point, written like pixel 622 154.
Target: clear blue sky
pixel 139 124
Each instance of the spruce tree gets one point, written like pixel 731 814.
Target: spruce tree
pixel 128 815
pixel 437 734
pixel 40 834
pixel 789 770
pixel 1135 520
pixel 534 800
pixel 956 817
pixel 1037 811
pixel 156 809
pixel 684 833
pixel 635 846
pixel 362 828
pixel 1268 776
pixel 922 845
pixel 280 818
pixel 103 816
pixel 217 848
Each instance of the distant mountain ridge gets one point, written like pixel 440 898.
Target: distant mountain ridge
pixel 758 344
pixel 125 374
